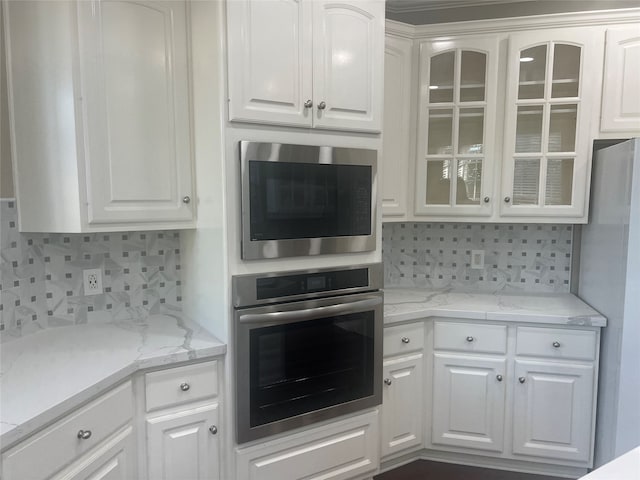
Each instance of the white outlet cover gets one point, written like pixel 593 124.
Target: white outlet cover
pixel 92 281
pixel 477 259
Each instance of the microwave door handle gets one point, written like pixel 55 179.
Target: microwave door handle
pixel 310 313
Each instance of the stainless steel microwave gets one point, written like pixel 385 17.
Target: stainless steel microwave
pixel 300 200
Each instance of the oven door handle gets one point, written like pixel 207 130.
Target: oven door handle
pixel 311 313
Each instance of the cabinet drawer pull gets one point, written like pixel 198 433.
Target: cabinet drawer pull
pixel 185 386
pixel 322 105
pixel 406 339
pixel 556 344
pixel 470 339
pixel 499 377
pixel 186 199
pixel 387 381
pixel 522 379
pixel 84 434
pixel 213 429
pixel 507 199
pixel 308 104
pixel 486 199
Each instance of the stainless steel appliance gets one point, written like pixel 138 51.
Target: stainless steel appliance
pixel 300 200
pixel 308 347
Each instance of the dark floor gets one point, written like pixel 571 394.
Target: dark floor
pixel 425 470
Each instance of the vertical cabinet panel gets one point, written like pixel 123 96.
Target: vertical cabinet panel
pixel 553 407
pixel 621 89
pixel 469 402
pixel 135 86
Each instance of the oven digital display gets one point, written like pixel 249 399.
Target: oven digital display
pixel 316 283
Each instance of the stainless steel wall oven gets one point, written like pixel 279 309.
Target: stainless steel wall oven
pixel 300 200
pixel 308 347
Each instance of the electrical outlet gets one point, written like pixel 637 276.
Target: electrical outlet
pixel 92 281
pixel 477 259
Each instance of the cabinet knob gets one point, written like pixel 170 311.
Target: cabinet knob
pixel 308 104
pixel 521 379
pixel 84 434
pixel 486 199
pixel 499 377
pixel 213 429
pixel 185 386
pixel 507 199
pixel 387 381
pixel 470 339
pixel 406 339
pixel 556 344
pixel 322 105
pixel 186 199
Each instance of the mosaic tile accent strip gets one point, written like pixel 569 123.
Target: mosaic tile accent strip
pixel 518 258
pixel 41 284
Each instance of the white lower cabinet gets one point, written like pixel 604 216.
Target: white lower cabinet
pixel 346 449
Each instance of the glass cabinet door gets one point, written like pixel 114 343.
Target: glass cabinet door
pixel 546 125
pixel 457 116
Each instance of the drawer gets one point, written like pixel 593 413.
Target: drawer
pixel 403 338
pixel 180 385
pixel 556 343
pixel 470 337
pixel 47 452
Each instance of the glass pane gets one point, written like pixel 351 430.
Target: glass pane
pixel 471 130
pixel 440 137
pixel 526 180
pixel 562 128
pixel 529 129
pixel 533 62
pixel 566 70
pixel 472 76
pixel 469 185
pixel 438 182
pixel 441 77
pixel 559 181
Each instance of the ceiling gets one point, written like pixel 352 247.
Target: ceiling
pixel 421 12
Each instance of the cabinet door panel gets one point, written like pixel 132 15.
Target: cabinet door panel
pixel 348 51
pixel 553 410
pixel 270 61
pixel 468 401
pixel 180 445
pixel 136 110
pixel 402 404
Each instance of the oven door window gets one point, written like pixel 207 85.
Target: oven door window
pixel 302 200
pixel 306 366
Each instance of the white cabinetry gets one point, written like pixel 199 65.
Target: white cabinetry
pixel 306 63
pixel 402 397
pixel 99 113
pixel 182 423
pixel 94 443
pixel 621 88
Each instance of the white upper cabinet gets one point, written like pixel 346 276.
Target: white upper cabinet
pixel 100 115
pixel 455 152
pixel 621 88
pixel 306 63
pixel 551 85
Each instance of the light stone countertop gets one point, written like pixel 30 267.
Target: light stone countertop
pixel 47 374
pixel 403 304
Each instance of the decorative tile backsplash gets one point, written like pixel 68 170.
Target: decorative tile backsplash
pixel 531 258
pixel 41 283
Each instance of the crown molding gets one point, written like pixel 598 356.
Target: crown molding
pixel 415 6
pixel 399 29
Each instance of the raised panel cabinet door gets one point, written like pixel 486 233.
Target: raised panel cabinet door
pixel 553 410
pixel 551 93
pixel 269 58
pixel 402 403
pixel 348 71
pixel 184 445
pixel 468 401
pixel 621 88
pixel 134 71
pixel 396 126
pixel 456 152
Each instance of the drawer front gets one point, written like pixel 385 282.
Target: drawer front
pixel 403 338
pixel 180 385
pixel 470 337
pixel 46 453
pixel 556 343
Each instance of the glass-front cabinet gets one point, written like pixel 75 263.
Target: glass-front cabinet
pixel 547 123
pixel 455 154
